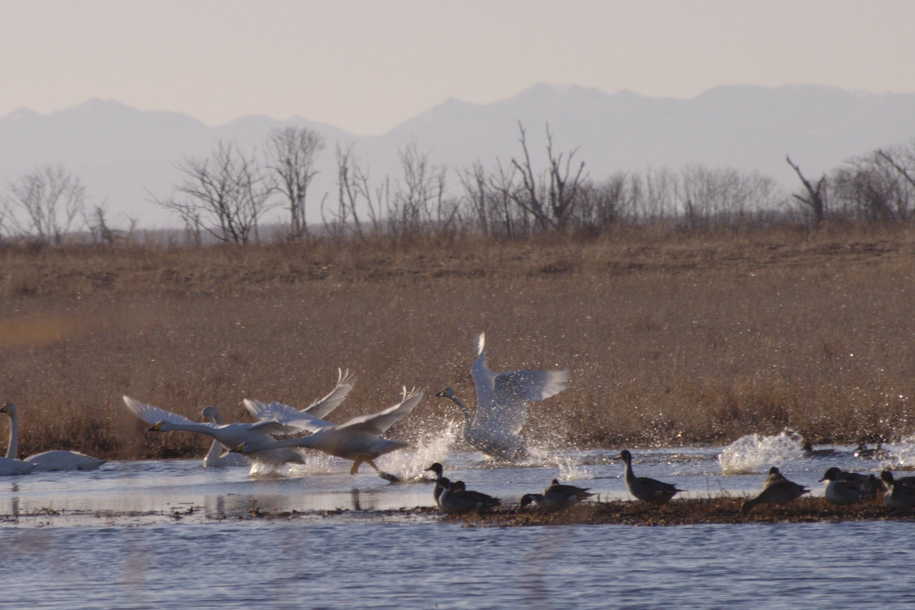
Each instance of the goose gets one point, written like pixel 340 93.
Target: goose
pixel 777 490
pixel 841 489
pixel 440 481
pixel 456 499
pixel 257 436
pixel 502 405
pixel 645 489
pixel 555 497
pixel 56 459
pixel 359 439
pixel 219 455
pixel 901 496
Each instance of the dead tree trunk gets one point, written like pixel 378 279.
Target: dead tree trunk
pixel 815 199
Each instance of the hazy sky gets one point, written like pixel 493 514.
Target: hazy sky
pixel 365 66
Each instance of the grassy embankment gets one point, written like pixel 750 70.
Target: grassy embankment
pixel 670 339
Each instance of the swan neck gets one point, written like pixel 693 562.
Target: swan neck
pixel 12 447
pixel 462 406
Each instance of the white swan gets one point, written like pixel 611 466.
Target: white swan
pixel 502 405
pixel 256 436
pixel 56 459
pixel 311 415
pixel 219 456
pixel 359 439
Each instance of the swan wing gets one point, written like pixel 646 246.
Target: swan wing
pixel 505 411
pixel 153 415
pixel 323 407
pixel 290 417
pixel 378 423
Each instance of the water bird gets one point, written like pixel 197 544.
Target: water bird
pixel 502 405
pixel 901 494
pixel 359 439
pixel 456 499
pixel 440 481
pixel 844 487
pixel 317 410
pixel 810 452
pixel 220 456
pixel 871 453
pixel 777 490
pixel 56 459
pixel 555 497
pixel 256 436
pixel 644 488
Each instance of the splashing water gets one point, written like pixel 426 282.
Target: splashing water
pixel 754 453
pixel 570 467
pixel 411 463
pixel 903 454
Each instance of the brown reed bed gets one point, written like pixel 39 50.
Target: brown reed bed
pixel 670 338
pixel 723 510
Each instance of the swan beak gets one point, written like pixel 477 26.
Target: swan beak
pixel 157 427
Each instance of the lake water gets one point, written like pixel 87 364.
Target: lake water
pixel 170 534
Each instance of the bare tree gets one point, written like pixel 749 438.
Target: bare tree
pixel 291 155
pixel 552 204
pixel 45 203
pixel 815 199
pixel 224 195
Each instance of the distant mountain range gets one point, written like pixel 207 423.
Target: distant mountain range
pixel 122 154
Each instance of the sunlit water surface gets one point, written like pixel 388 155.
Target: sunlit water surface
pixel 171 534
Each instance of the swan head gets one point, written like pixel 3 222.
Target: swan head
pixel 157 427
pixel 437 469
pixel 211 414
pixel 446 393
pixel 8 408
pixel 625 456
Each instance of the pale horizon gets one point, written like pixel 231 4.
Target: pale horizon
pixel 365 67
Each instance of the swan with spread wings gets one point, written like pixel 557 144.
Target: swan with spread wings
pixel 359 439
pixel 502 405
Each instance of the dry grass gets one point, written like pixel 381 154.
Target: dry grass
pixel 670 338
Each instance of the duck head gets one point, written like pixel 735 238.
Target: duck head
pixel 528 499
pixel 437 469
pixel 833 474
pixel 625 456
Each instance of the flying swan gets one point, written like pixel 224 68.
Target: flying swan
pixel 502 405
pixel 218 456
pixel 359 439
pixel 257 436
pixel 56 459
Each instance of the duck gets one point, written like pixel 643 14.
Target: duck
pixel 502 405
pixel 842 489
pixel 555 497
pixel 456 499
pixel 901 496
pixel 777 490
pixel 810 452
pixel 440 481
pixel 47 461
pixel 219 455
pixel 644 488
pixel 359 439
pixel 871 453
